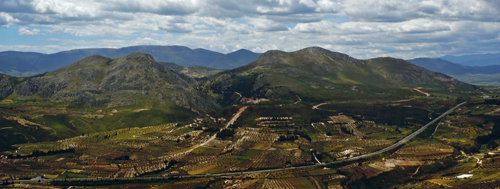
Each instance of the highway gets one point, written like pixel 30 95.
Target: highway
pixel 399 143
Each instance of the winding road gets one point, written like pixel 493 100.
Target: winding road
pixel 399 143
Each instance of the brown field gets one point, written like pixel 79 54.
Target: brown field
pixel 248 183
pixel 441 182
pixel 429 152
pixel 367 173
pixel 298 153
pixel 202 170
pixel 262 146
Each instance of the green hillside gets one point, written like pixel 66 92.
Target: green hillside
pixel 317 74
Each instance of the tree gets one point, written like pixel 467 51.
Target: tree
pixel 226 133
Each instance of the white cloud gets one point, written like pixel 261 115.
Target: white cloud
pixel 6 19
pixel 26 31
pixel 162 7
pixel 263 24
pixel 364 28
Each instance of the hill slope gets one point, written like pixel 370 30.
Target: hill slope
pixel 98 81
pixel 181 55
pixel 318 74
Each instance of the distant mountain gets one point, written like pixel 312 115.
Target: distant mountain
pixel 440 65
pixel 447 67
pixel 26 56
pixel 318 74
pixel 99 81
pixel 478 75
pixel 15 63
pixel 475 59
pixel 242 57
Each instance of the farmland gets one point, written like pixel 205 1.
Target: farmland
pixel 336 131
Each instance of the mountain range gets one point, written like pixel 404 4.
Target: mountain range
pixel 312 73
pixel 481 69
pixel 28 63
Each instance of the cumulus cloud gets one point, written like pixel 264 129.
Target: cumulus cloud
pixel 364 29
pixel 13 6
pixel 6 19
pixel 26 31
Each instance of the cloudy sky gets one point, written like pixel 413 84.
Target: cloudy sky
pixel 361 28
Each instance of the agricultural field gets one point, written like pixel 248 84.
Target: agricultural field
pixel 464 142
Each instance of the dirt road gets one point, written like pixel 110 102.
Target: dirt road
pixel 317 106
pixel 418 90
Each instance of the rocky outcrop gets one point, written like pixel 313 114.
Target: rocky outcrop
pixel 5 86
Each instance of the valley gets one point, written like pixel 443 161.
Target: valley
pixel 305 119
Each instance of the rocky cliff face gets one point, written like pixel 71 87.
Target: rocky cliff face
pixel 5 86
pixel 100 81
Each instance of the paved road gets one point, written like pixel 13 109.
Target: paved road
pixel 399 143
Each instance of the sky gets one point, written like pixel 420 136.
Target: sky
pixel 360 28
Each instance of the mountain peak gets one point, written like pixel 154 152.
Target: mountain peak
pixel 330 54
pixel 242 51
pixel 272 55
pixel 314 49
